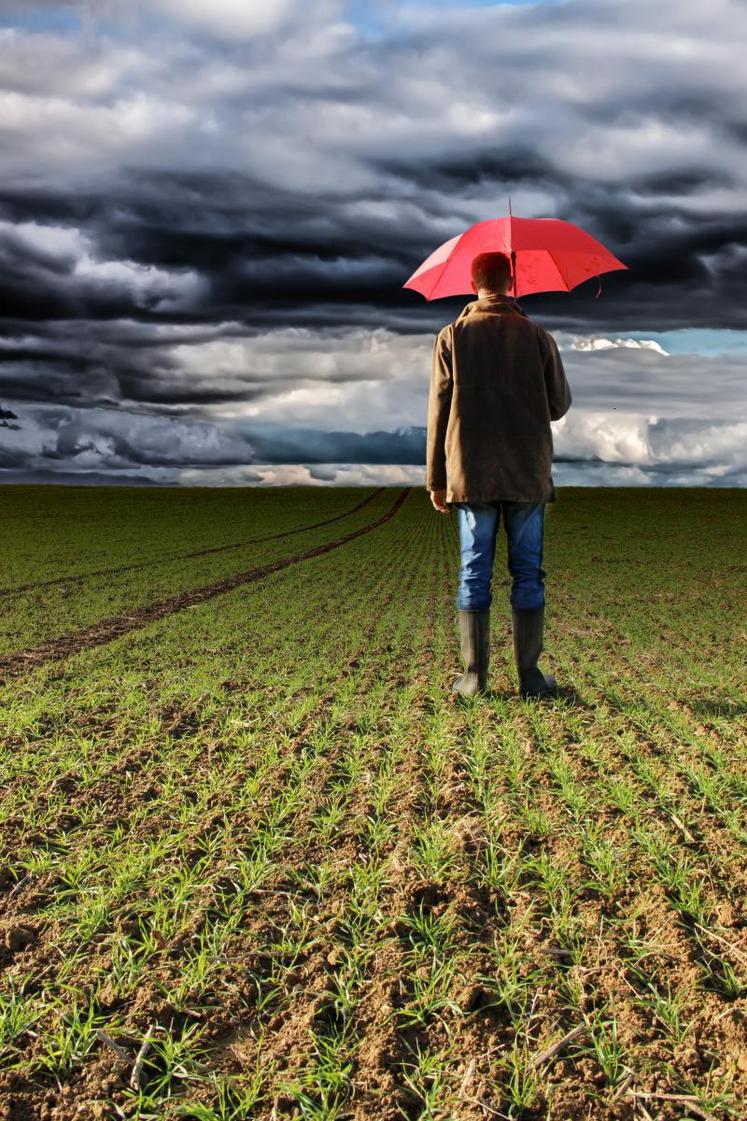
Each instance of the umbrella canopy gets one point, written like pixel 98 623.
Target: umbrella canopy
pixel 547 255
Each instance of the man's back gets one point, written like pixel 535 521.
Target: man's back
pixel 497 382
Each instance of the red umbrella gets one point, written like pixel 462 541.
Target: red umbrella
pixel 547 255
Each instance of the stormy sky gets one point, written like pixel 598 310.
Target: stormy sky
pixel 208 211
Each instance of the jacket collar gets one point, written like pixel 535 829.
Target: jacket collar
pixel 492 304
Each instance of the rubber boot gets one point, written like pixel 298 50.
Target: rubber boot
pixel 528 631
pixel 474 639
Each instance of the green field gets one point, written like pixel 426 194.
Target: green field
pixel 259 862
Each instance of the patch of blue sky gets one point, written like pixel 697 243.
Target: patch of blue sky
pixel 695 340
pixel 372 19
pixel 61 17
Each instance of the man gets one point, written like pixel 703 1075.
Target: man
pixel 496 383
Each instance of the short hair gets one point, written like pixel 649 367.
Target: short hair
pixel 491 272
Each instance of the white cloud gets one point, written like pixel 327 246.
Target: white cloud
pixel 63 242
pixel 357 380
pixel 156 288
pixel 721 448
pixel 192 107
pixel 597 342
pixel 74 65
pixel 79 139
pixel 613 438
pixel 69 248
pixel 69 439
pixel 232 19
pixel 339 474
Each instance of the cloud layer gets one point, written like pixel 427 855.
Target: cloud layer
pixel 208 211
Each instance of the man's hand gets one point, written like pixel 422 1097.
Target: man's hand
pixel 438 498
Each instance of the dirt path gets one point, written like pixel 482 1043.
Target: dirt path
pixel 106 630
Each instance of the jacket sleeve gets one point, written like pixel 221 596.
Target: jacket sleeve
pixel 439 405
pixel 558 390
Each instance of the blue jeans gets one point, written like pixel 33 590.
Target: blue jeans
pixel 478 527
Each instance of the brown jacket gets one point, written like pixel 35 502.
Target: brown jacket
pixel 496 383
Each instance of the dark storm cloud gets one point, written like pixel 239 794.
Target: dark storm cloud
pixel 329 272
pixel 278 237
pixel 40 475
pixel 275 444
pixel 326 273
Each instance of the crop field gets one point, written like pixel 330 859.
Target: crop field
pixel 258 861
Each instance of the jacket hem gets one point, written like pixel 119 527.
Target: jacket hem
pixel 501 498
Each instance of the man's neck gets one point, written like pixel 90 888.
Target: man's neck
pixel 483 295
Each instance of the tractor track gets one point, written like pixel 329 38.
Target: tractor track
pixel 106 630
pixel 18 589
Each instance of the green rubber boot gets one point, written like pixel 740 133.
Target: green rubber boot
pixel 528 632
pixel 474 640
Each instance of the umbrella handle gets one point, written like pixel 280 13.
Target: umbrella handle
pixel 513 270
